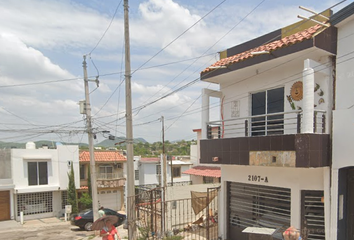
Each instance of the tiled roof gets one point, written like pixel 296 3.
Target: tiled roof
pixel 284 42
pixel 204 171
pixel 103 156
pixel 84 187
pixel 150 160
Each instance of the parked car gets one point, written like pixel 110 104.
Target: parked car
pixel 84 219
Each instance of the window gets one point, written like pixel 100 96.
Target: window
pixel 106 172
pixel 136 174
pixel 208 180
pixel 37 173
pixel 106 169
pixel 176 172
pixel 268 102
pixel 82 171
pixel 158 169
pixel 64 199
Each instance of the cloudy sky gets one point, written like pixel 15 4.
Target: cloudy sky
pixel 42 43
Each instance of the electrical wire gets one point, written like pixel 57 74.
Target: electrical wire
pixel 109 25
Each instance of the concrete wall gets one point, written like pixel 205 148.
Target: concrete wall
pixel 5 164
pixel 148 174
pixel 343 127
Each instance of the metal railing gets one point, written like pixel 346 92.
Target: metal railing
pixel 175 219
pixel 107 176
pixel 264 125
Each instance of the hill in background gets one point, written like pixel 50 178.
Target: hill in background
pixel 51 144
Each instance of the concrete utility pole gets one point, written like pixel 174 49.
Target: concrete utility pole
pixel 164 176
pixel 129 130
pixel 90 139
pixel 164 162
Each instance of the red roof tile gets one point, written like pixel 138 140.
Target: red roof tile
pixel 103 156
pixel 284 42
pixel 204 171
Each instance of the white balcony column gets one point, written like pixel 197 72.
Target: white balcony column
pixel 206 94
pixel 308 75
pixel 205 112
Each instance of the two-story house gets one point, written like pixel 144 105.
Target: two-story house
pixel 37 180
pixel 342 178
pixel 110 177
pixel 273 143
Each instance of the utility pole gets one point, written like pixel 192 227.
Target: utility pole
pixel 164 175
pixel 164 170
pixel 90 140
pixel 129 130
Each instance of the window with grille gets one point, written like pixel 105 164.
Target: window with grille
pixel 64 199
pixel 176 172
pixel 35 203
pixel 158 169
pixel 312 215
pixel 258 206
pixel 37 173
pixel 208 179
pixel 136 174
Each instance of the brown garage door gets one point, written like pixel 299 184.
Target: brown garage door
pixel 4 205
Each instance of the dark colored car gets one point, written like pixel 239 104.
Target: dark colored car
pixel 84 219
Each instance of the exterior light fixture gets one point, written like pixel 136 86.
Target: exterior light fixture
pixel 217 67
pixel 260 53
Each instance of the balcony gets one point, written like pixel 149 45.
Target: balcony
pixel 109 176
pixel 281 139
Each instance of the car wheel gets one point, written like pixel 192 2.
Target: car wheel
pixel 88 226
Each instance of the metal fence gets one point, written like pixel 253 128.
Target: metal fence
pixel 191 218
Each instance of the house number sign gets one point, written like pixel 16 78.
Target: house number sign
pixel 257 178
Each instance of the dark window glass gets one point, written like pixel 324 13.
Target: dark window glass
pixel 82 171
pixel 268 102
pixel 275 104
pixel 258 108
pixel 43 173
pixel 32 173
pixel 177 172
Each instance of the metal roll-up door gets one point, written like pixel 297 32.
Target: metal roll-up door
pixel 256 206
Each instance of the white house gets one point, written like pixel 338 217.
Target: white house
pixel 148 171
pixel 38 180
pixel 342 185
pixel 276 97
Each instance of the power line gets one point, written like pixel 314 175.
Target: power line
pixel 109 25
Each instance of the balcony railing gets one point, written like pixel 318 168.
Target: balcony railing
pixel 108 176
pixel 264 125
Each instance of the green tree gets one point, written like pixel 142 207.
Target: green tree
pixel 72 196
pixel 85 201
